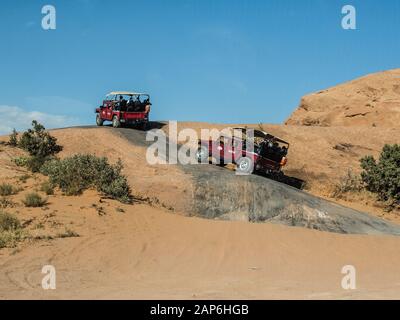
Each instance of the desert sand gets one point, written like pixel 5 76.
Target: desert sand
pixel 146 253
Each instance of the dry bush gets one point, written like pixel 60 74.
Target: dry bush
pixel 34 200
pixel 349 183
pixel 7 189
pixel 10 230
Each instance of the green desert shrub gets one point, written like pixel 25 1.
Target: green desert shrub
pixel 20 161
pixel 34 200
pixel 13 141
pixel 38 142
pixel 80 172
pixel 40 145
pixel 34 163
pixel 382 177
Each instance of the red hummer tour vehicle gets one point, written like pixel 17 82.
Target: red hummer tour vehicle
pixel 252 151
pixel 124 108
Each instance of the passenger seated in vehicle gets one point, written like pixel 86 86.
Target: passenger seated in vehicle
pixel 147 105
pixel 122 103
pixel 131 105
pixel 138 105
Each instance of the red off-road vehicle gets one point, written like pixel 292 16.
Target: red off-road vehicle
pixel 255 151
pixel 124 108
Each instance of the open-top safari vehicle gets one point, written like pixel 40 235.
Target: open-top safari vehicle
pixel 124 108
pixel 249 149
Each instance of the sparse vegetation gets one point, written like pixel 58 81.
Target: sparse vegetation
pixel 39 225
pixel 100 211
pixel 8 222
pixel 68 233
pixel 73 175
pixel 382 177
pixel 10 230
pixel 6 203
pixel 80 172
pixel 38 142
pixel 47 188
pixel 21 161
pixel 7 189
pixel 24 178
pixel 351 182
pixel 40 145
pixel 13 142
pixel 9 239
pixel 34 200
pixel 34 163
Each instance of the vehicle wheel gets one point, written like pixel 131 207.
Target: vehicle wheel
pixel 202 154
pixel 116 123
pixel 245 166
pixel 99 120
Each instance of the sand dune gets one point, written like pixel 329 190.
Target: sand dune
pixel 147 253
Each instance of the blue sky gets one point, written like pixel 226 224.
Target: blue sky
pixel 224 61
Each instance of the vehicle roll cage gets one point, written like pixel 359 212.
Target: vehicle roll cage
pixel 116 95
pixel 258 134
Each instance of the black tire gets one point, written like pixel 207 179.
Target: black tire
pixel 202 154
pixel 245 166
pixel 99 120
pixel 115 122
